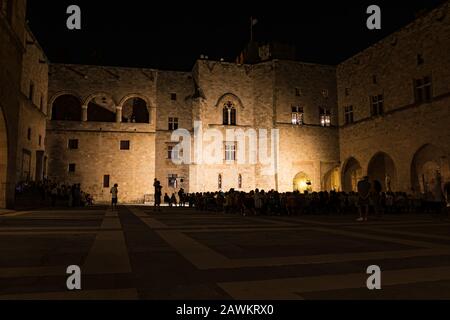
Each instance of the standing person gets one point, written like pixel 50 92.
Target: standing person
pixel 375 197
pixel 363 198
pixel 114 192
pixel 158 188
pixel 173 200
pixel 181 197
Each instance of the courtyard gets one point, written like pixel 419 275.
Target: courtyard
pixel 182 253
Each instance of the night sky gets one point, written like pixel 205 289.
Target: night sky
pixel 172 35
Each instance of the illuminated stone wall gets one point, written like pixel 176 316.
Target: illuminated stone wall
pixel 406 125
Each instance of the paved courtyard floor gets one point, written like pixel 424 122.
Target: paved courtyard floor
pixel 180 253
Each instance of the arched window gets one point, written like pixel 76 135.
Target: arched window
pixel 229 114
pixel 239 181
pixel 66 107
pixel 219 181
pixel 135 110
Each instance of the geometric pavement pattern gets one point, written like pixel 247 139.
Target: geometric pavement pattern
pixel 182 253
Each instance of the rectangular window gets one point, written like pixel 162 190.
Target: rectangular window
pixel 106 181
pixel 297 115
pixel 422 89
pixel 230 151
pixel 172 180
pixel 325 93
pixel 173 123
pixel 41 103
pixel 40 140
pixel 377 103
pixel 73 144
pixel 374 79
pixel 347 91
pixel 420 59
pixel 348 114
pixel 29 134
pixel 325 117
pixel 124 144
pixel 173 154
pixel 298 92
pixel 31 92
pixel 71 167
pixel 173 96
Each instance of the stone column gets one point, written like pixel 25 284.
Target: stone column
pixel 84 113
pixel 118 114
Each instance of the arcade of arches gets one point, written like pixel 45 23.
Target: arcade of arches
pixel 100 108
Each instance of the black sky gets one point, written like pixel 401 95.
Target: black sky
pixel 172 35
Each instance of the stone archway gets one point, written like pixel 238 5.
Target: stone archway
pixel 66 107
pixel 135 109
pixel 331 180
pixel 428 160
pixel 3 159
pixel 382 168
pixel 302 182
pixel 351 174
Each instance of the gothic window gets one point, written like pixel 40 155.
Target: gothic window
pixel 229 114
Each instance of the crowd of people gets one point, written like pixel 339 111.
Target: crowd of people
pixel 368 199
pixel 56 194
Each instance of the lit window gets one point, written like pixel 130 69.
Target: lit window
pixel 422 89
pixel 348 114
pixel 377 105
pixel 325 117
pixel 230 151
pixel 172 180
pixel 229 114
pixel 173 123
pixel 297 115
